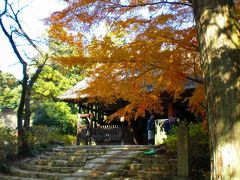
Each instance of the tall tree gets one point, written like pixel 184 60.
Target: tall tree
pixel 219 39
pixel 12 28
pixel 160 34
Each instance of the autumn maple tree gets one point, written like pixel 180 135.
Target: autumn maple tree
pixel 155 46
pixel 139 57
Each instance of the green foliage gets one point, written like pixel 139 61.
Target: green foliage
pixel 198 146
pixel 40 137
pixel 8 143
pixel 8 147
pixel 197 135
pixel 56 115
pixel 53 81
pixel 9 91
pixel 199 151
pixel 7 80
pixel 10 98
pixel 171 140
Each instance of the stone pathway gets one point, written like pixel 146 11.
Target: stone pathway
pixel 94 162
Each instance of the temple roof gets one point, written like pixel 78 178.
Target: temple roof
pixel 73 94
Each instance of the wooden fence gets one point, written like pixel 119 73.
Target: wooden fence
pixel 106 134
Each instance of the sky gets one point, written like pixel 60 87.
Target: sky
pixel 31 17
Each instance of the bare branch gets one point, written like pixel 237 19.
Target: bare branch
pixel 13 44
pixel 23 32
pixel 5 9
pixel 151 4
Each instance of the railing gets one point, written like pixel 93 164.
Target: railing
pixel 105 134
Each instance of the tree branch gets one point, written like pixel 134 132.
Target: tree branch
pixel 195 80
pixel 154 3
pixel 23 32
pixel 37 72
pixel 5 9
pixel 14 47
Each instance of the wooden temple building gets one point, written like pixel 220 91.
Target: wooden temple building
pixel 93 129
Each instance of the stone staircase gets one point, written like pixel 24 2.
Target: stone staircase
pixel 94 162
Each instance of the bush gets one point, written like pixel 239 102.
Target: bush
pixel 56 115
pixel 171 140
pixel 197 136
pixel 41 136
pixel 39 139
pixel 198 146
pixel 199 151
pixel 8 143
pixel 8 147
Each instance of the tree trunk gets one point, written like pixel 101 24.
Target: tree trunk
pixel 219 40
pixel 21 109
pixel 27 109
pixel 23 112
pixel 23 148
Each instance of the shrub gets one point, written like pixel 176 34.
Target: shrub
pixel 197 136
pixel 199 151
pixel 56 115
pixel 8 146
pixel 198 148
pixel 8 142
pixel 171 140
pixel 40 137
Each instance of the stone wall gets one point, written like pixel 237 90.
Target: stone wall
pixel 8 118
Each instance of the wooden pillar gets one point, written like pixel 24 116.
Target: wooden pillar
pixel 171 110
pixel 94 114
pixel 98 115
pixel 88 106
pixel 79 108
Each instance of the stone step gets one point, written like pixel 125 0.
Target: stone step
pixel 68 158
pixel 59 163
pixel 172 161
pixel 71 151
pixel 80 174
pixel 48 169
pixel 106 167
pixel 86 174
pixel 150 161
pixel 95 162
pixel 76 153
pixel 155 175
pixel 8 177
pixel 141 174
pixel 112 147
pixel 36 175
pixel 124 178
pixel 157 158
pixel 150 167
pixel 128 173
